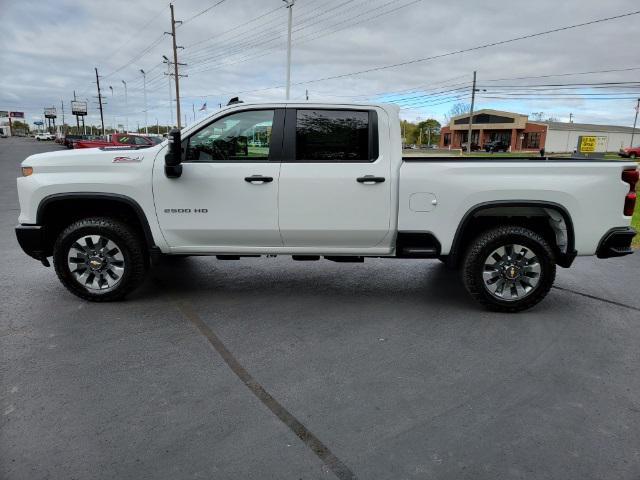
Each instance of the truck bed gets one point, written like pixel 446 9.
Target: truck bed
pixel 438 192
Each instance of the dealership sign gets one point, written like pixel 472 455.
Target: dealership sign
pixel 79 108
pixel 16 114
pixel 4 114
pixel 50 112
pixel 592 144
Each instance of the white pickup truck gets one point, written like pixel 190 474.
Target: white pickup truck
pixel 319 180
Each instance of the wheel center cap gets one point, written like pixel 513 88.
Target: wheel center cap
pixel 512 272
pixel 95 263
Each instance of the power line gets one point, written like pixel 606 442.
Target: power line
pixel 470 49
pixel 565 74
pixel 218 35
pixel 203 11
pixel 305 38
pixel 200 57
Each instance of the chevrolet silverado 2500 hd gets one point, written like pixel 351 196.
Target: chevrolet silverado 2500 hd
pixel 319 180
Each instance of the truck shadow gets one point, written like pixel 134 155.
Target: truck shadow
pixel 259 280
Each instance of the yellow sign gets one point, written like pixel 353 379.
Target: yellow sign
pixel 588 144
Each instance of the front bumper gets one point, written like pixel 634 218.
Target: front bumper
pixel 31 239
pixel 616 243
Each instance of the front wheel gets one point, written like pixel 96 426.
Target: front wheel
pixel 100 259
pixel 632 156
pixel 509 269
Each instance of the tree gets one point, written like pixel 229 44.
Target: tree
pixel 458 109
pixel 430 129
pixel 18 125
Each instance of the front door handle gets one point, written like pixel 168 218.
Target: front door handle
pixel 370 179
pixel 258 179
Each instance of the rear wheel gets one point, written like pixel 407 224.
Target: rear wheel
pixel 100 259
pixel 509 269
pixel 632 156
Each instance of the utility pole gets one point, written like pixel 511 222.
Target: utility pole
pixel 473 100
pixel 193 107
pixel 306 94
pixel 144 87
pixel 175 63
pixel 290 4
pixel 571 118
pixel 77 119
pixel 100 101
pixel 635 122
pixel 114 117
pixel 62 108
pixel 126 107
pixel 168 74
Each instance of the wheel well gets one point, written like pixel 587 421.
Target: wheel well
pixel 57 212
pixel 549 220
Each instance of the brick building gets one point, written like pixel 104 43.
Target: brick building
pixel 521 134
pixel 488 125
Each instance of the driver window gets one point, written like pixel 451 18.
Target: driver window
pixel 239 136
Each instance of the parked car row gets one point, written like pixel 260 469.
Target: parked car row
pixel 133 140
pixel 630 152
pixel 490 147
pixel 44 136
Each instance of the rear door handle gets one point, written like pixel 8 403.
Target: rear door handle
pixel 370 179
pixel 258 179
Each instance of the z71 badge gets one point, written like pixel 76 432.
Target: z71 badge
pixel 128 159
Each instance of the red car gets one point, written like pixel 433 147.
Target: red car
pixel 117 139
pixel 630 152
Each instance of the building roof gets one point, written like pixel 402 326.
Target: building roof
pixel 490 111
pixel 588 127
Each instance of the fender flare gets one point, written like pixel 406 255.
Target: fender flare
pixel 565 259
pixel 142 218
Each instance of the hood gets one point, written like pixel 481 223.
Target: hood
pixel 89 158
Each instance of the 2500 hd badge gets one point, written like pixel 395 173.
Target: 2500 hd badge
pixel 186 210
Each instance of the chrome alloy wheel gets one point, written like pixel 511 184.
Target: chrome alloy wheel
pixel 96 262
pixel 511 272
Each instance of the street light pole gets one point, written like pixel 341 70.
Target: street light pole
pixel 144 88
pixel 126 107
pixel 290 4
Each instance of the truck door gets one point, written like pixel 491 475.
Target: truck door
pixel 227 196
pixel 335 186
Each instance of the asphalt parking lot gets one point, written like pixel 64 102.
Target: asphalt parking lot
pixel 270 368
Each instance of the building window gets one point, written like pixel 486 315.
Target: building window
pixel 532 140
pixel 447 139
pixel 484 118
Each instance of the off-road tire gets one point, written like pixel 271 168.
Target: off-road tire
pixel 130 243
pixel 482 246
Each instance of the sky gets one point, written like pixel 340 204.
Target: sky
pixel 49 49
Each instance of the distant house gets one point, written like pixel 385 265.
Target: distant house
pixel 520 134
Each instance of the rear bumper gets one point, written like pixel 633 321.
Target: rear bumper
pixel 31 239
pixel 616 243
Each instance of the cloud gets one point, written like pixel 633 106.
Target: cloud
pixel 50 49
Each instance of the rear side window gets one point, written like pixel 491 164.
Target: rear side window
pixel 334 135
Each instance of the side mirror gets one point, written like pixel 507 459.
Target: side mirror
pixel 173 158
